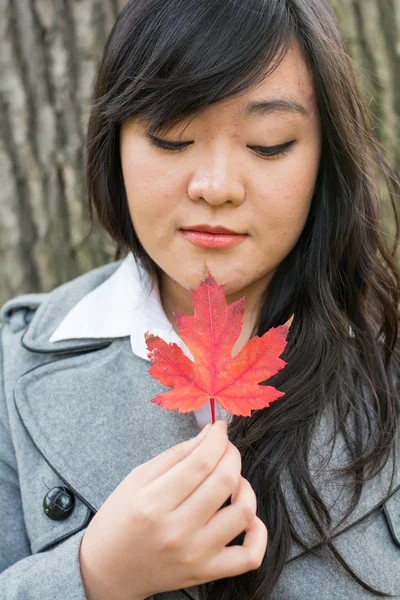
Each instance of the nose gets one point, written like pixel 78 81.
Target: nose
pixel 216 180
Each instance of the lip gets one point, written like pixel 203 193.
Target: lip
pixel 205 239
pixel 211 229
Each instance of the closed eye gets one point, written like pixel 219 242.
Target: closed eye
pixel 266 151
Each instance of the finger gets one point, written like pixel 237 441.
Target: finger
pixel 231 520
pixel 210 495
pixel 236 560
pixel 152 469
pixel 176 484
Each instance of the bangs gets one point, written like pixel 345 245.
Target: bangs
pixel 171 59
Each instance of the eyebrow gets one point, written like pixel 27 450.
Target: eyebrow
pixel 266 107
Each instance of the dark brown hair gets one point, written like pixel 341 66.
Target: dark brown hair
pixel 169 59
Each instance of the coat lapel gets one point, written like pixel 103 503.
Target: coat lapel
pixel 91 418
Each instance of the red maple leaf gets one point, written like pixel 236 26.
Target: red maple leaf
pixel 215 375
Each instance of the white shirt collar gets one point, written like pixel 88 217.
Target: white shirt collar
pixel 126 304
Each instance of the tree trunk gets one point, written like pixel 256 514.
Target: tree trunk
pixel 49 51
pixel 372 31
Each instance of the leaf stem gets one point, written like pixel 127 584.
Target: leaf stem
pixel 212 402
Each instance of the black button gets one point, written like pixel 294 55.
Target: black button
pixel 58 503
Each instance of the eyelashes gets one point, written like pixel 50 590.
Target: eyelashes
pixel 265 151
pixel 280 150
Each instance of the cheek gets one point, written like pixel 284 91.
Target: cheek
pixel 285 202
pixel 287 208
pixel 292 186
pixel 151 191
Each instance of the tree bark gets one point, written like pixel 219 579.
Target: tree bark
pixel 372 31
pixel 49 51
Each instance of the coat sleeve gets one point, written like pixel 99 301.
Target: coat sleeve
pixel 50 575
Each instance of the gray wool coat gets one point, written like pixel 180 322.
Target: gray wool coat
pixel 77 414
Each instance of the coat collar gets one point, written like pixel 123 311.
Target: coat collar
pixel 127 303
pixel 114 301
pixel 105 425
pixel 54 309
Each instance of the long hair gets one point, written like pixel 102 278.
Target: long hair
pixel 167 60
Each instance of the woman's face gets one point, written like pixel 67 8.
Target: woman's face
pixel 221 179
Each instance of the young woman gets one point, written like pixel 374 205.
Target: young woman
pixel 244 116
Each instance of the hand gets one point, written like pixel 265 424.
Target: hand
pixel 163 527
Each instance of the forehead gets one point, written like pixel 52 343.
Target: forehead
pixel 289 90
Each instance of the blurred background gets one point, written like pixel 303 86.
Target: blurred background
pixel 49 51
